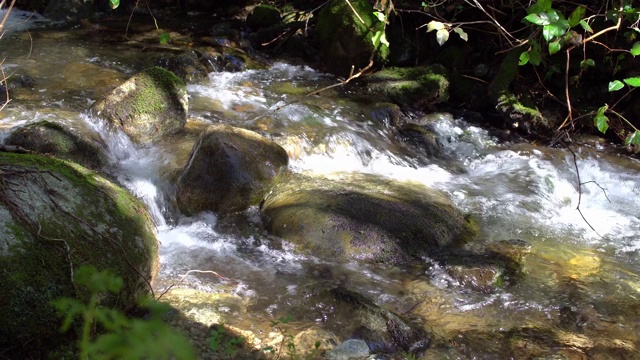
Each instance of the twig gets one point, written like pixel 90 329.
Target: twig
pixel 205 272
pixel 355 12
pixel 580 183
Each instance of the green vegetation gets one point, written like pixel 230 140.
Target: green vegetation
pixel 106 333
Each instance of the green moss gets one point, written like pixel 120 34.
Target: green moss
pixel 413 86
pixel 69 216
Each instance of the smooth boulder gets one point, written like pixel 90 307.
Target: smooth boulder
pixel 363 217
pixel 61 141
pixel 229 169
pixel 54 217
pixel 148 106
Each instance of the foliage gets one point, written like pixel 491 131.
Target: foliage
pixel 219 342
pixel 108 333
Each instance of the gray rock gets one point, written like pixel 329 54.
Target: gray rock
pixel 229 169
pixel 352 349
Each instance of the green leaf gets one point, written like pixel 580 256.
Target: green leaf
pixel 534 55
pixel 545 5
pixel 463 35
pixel 380 16
pixel 554 47
pixel 632 81
pixel 442 36
pixel 553 30
pixel 435 25
pixel 601 121
pixel 586 26
pixel 164 38
pixel 524 58
pixel 634 138
pixel 635 50
pixel 576 15
pixel 538 19
pixel 114 3
pixel 379 38
pixel 615 85
pixel 584 64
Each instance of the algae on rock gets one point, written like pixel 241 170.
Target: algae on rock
pixel 149 105
pixel 54 217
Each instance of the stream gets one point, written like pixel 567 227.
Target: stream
pixel 580 292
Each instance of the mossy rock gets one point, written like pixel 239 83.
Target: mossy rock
pixel 54 217
pixel 186 66
pixel 229 169
pixel 362 217
pixel 346 41
pixel 263 16
pixel 46 137
pixel 417 87
pixel 149 105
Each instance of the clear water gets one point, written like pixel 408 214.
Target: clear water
pixel 514 190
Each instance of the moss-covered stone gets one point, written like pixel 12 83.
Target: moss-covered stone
pixel 263 16
pixel 47 137
pixel 229 169
pixel 362 217
pixel 417 87
pixel 54 217
pixel 346 38
pixel 148 105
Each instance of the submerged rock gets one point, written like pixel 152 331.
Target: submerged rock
pixel 149 105
pixel 54 217
pixel 45 137
pixel 229 169
pixel 363 217
pixel 352 349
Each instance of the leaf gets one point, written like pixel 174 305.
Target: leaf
pixel 633 139
pixel 442 36
pixel 550 32
pixel 114 3
pixel 164 38
pixel 380 16
pixel 538 19
pixel 576 15
pixel 534 55
pixel 555 46
pixel 435 25
pixel 524 58
pixel 632 81
pixel 601 121
pixel 586 26
pixel 463 35
pixel 584 64
pixel 379 38
pixel 615 85
pixel 545 5
pixel 635 50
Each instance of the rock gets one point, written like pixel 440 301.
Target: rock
pixel 352 349
pixel 229 169
pixel 186 66
pixel 344 40
pixel 420 138
pixel 45 137
pixel 314 341
pixel 147 106
pixel 418 87
pixel 484 278
pixel 363 217
pixel 382 330
pixel 54 217
pixel 263 16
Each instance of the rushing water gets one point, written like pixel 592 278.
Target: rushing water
pixel 582 274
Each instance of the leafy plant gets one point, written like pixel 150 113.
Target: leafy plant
pixel 109 334
pixel 219 341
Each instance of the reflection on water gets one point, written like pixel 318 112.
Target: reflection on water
pixel 578 288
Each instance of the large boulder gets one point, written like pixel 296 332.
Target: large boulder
pixel 363 217
pixel 54 217
pixel 149 105
pixel 61 141
pixel 229 169
pixel 346 31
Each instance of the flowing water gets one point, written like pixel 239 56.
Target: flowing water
pixel 580 292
